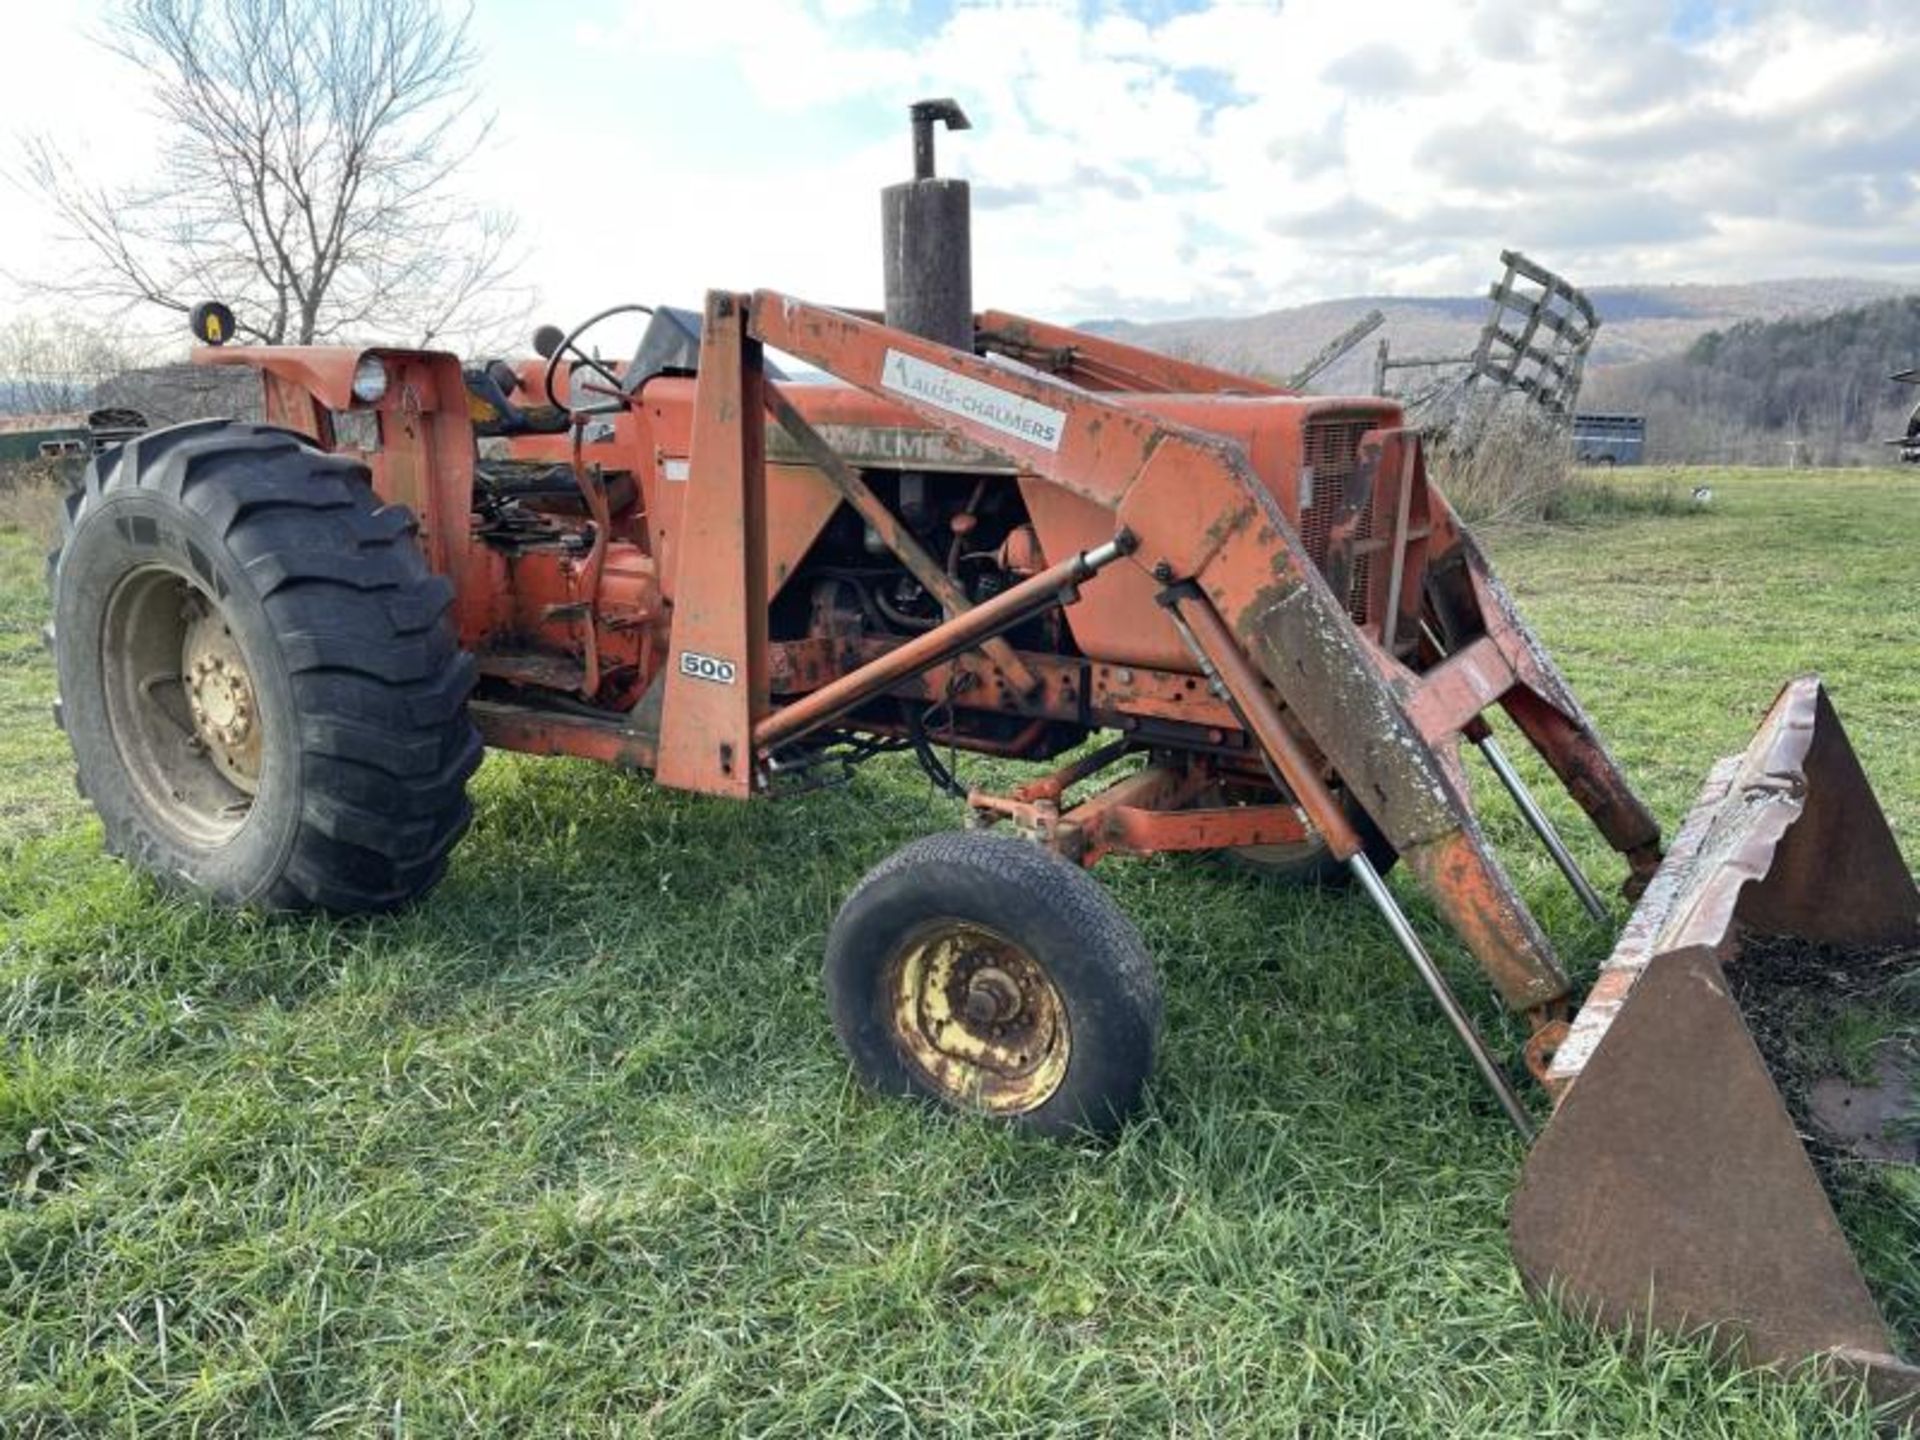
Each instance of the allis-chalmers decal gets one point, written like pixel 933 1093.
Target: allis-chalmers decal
pixel 970 399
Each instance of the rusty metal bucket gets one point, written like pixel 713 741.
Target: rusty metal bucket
pixel 1671 1188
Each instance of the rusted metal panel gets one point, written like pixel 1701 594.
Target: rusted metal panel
pixel 1096 362
pixel 1672 1188
pixel 890 447
pixel 425 456
pixel 1149 812
pixel 1837 875
pixel 1136 690
pixel 1016 414
pixel 1144 831
pixel 716 677
pixel 1785 838
pixel 1067 689
pixel 1295 767
pixel 1459 688
pixel 1471 889
pixel 540 731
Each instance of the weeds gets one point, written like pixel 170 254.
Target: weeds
pixel 30 499
pixel 568 1148
pixel 1600 495
pixel 1498 457
pixel 1503 462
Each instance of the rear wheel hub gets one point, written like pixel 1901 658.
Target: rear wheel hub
pixel 181 705
pixel 221 700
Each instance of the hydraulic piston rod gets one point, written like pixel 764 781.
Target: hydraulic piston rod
pixel 1442 993
pixel 1543 827
pixel 1052 586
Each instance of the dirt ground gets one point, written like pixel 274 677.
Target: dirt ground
pixel 1840 1031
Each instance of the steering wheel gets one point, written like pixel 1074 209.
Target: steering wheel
pixel 570 342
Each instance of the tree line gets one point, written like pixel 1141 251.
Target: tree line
pixel 1795 391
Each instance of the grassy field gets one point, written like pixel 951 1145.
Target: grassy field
pixel 569 1148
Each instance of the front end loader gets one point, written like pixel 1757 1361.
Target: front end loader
pixel 1222 616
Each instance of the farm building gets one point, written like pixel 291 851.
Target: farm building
pixel 43 437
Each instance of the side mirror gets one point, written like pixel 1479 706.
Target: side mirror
pixel 547 339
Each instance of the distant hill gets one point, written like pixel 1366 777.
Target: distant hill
pixel 1638 322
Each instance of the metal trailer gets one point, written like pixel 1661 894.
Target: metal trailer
pixel 1609 439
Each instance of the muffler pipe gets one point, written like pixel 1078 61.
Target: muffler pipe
pixel 927 240
pixel 1536 818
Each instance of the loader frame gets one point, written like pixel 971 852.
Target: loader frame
pixel 1382 704
pixel 1365 676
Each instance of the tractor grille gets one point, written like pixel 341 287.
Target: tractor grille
pixel 1333 452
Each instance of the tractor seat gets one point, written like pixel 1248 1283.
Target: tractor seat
pixel 671 346
pixel 493 412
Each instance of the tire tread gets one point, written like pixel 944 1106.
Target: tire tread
pixel 379 681
pixel 1096 954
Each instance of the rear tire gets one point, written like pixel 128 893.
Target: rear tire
pixel 258 676
pixel 1311 863
pixel 986 974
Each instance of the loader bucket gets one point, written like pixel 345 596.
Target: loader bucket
pixel 1671 1189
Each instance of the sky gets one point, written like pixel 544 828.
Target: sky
pixel 1145 160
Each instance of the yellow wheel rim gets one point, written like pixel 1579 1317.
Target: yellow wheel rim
pixel 978 1017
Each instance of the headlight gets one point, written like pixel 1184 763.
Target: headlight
pixel 369 379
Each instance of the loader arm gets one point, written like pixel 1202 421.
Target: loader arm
pixel 1095 363
pixel 1544 708
pixel 1210 534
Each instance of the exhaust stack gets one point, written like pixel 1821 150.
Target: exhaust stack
pixel 927 236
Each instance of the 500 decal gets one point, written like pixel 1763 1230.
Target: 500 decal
pixel 707 667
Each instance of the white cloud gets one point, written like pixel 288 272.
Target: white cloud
pixel 1232 157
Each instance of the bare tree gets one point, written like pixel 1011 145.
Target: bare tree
pixel 308 147
pixel 55 368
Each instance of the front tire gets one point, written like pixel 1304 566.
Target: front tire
pixel 258 676
pixel 986 974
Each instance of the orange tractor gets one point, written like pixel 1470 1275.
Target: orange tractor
pixel 1233 618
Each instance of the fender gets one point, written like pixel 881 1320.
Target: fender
pixel 420 446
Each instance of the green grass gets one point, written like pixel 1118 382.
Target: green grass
pixel 569 1148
